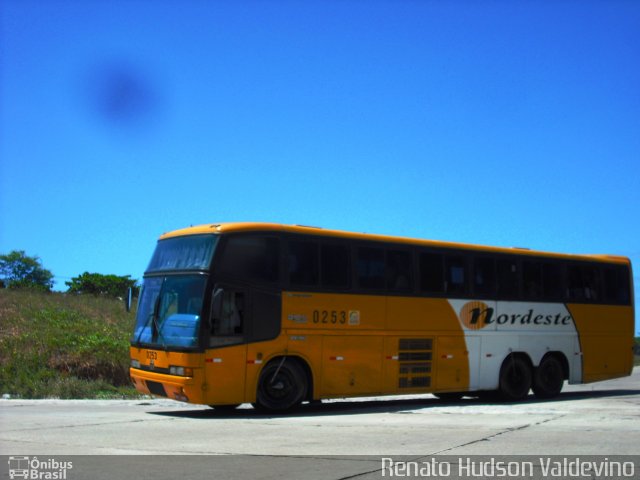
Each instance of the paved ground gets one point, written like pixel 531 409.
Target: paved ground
pixel 601 418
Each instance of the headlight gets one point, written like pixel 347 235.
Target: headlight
pixel 181 371
pixel 135 363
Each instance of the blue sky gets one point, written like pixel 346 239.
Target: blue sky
pixel 499 122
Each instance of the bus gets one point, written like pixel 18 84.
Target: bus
pixel 276 315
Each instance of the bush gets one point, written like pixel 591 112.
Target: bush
pixel 65 346
pixel 98 284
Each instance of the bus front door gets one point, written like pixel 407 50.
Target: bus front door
pixel 226 358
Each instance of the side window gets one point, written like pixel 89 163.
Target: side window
pixel 303 263
pixel 583 283
pixel 610 285
pixel 399 277
pixel 456 279
pixel 431 273
pixel 371 268
pixel 552 282
pixel 335 266
pixel 231 321
pixel 508 279
pixel 592 283
pixel 484 277
pixel 250 258
pixel 532 280
pixel 624 285
pixel 575 286
pixel 616 285
pixel 264 316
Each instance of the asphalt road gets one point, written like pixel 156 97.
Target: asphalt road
pixel 595 419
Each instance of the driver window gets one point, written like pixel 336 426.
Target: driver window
pixel 231 321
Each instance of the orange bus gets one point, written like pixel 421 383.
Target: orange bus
pixel 276 315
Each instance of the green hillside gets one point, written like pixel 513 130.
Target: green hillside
pixel 63 346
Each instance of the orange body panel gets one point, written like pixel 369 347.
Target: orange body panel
pixel 606 340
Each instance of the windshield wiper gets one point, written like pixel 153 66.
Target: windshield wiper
pixel 154 317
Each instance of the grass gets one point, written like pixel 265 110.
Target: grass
pixel 54 345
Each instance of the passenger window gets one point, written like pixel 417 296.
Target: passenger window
pixel 508 279
pixel 399 277
pixel 532 280
pixel 484 277
pixel 616 285
pixel 371 268
pixel 335 266
pixel 583 283
pixel 431 273
pixel 624 285
pixel 592 283
pixel 303 263
pixel 251 259
pixel 552 282
pixel 610 285
pixel 575 285
pixel 456 275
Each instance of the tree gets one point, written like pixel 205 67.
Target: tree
pixel 98 284
pixel 18 270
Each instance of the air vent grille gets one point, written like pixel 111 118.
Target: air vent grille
pixel 414 362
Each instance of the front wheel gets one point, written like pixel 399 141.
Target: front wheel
pixel 282 386
pixel 548 378
pixel 515 379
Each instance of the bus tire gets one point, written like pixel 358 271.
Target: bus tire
pixel 282 386
pixel 548 378
pixel 515 378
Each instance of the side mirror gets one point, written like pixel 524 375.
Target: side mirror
pixel 216 303
pixel 128 300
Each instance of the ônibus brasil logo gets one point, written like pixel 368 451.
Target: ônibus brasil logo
pixel 32 468
pixel 476 315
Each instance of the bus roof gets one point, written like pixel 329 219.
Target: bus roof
pixel 236 227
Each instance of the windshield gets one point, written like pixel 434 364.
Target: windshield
pixel 169 311
pixel 192 252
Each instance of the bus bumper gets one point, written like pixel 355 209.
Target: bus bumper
pixel 182 389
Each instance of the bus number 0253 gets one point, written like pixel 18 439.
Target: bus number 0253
pixel 330 316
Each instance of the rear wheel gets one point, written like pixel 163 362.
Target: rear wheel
pixel 515 378
pixel 548 378
pixel 282 386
